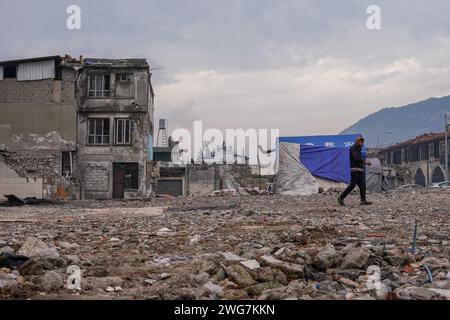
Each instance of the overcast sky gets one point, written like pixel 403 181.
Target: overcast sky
pixel 303 66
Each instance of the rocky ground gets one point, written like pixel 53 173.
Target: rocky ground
pixel 230 247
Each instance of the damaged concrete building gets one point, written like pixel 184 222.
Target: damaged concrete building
pixel 419 161
pixel 115 128
pixel 38 112
pixel 76 128
pixel 174 177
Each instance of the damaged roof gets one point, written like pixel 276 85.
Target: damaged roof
pixel 424 138
pixel 57 58
pixel 97 62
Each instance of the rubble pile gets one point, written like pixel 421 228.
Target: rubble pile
pixel 240 247
pixel 240 191
pixel 43 165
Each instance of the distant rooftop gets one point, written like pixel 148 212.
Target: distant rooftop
pixel 424 138
pixel 30 60
pixel 115 62
pixel 95 62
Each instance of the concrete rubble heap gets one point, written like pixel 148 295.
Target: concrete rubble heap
pixel 242 247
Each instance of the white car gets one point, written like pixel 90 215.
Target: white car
pixel 444 184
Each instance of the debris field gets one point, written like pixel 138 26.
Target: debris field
pixel 230 247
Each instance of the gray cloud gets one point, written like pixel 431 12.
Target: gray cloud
pixel 304 66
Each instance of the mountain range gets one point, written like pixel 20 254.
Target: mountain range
pixel 392 125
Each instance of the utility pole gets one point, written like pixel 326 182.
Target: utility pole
pixel 446 147
pixel 259 168
pixel 378 137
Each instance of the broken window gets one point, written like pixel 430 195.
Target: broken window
pixel 397 157
pixel 9 72
pixel 431 150
pixel 405 155
pixel 424 152
pixel 131 181
pixel 98 131
pixel 66 163
pixel 436 149
pixel 99 85
pixel 124 77
pixel 414 153
pixel 123 131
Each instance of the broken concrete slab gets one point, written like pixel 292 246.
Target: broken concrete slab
pixel 7 280
pixel 231 257
pixel 356 258
pixel 251 264
pixel 10 260
pixel 325 258
pixel 415 293
pixel 239 275
pixel 51 281
pixel 213 288
pixel 301 226
pixel 33 247
pixel 441 292
pixel 292 270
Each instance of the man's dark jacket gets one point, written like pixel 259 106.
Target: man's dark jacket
pixel 356 157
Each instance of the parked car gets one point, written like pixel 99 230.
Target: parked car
pixel 443 184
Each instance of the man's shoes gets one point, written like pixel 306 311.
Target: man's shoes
pixel 365 203
pixel 341 201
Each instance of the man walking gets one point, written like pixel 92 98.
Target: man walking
pixel 357 164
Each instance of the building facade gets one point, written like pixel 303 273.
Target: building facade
pixel 115 128
pixel 417 161
pixel 76 128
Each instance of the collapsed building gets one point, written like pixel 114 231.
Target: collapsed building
pixel 416 161
pixel 74 128
pixel 174 177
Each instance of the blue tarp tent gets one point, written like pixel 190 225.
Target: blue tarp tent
pixel 326 157
pixel 305 162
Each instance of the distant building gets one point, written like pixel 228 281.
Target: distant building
pixel 76 128
pixel 420 160
pixel 174 176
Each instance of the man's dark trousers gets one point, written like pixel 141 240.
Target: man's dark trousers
pixel 358 178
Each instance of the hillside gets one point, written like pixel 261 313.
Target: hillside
pixel 403 122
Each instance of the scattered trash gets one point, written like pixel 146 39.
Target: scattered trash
pixel 407 269
pixel 230 256
pixel 233 248
pixel 251 264
pixel 375 235
pixel 163 261
pixel 149 281
pixel 165 232
pixel 429 273
pixel 12 261
pixel 195 239
pixel 13 200
pixel 413 249
pixel 165 276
